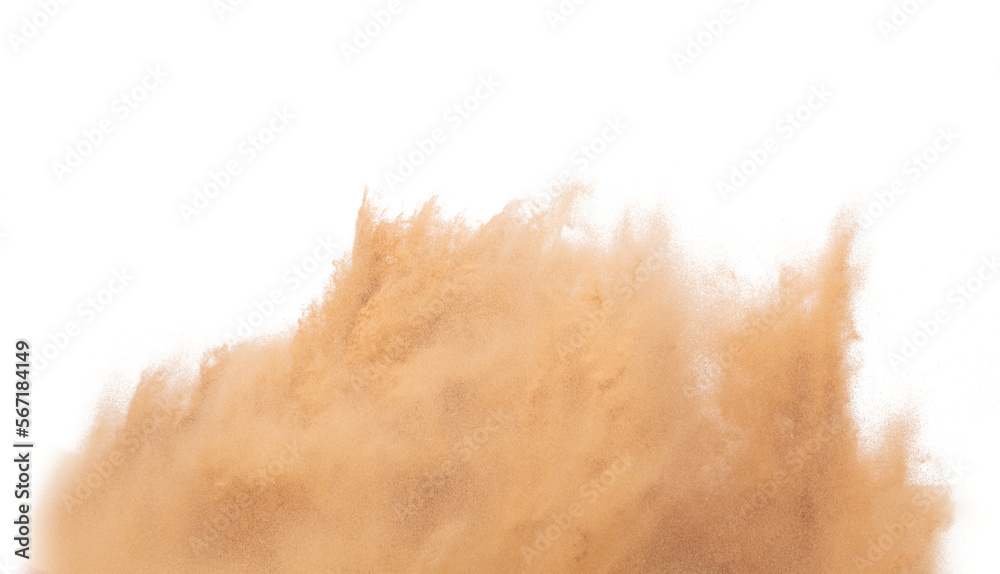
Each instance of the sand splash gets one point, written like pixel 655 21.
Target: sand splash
pixel 502 398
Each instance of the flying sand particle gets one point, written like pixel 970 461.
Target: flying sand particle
pixel 500 398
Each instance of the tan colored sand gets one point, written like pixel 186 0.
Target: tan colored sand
pixel 498 398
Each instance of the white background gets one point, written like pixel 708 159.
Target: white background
pixel 60 241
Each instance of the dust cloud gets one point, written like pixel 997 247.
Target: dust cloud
pixel 524 395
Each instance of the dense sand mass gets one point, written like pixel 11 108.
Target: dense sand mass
pixel 510 397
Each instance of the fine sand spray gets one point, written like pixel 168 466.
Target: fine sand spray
pixel 511 397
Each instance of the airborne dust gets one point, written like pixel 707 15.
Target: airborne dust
pixel 511 397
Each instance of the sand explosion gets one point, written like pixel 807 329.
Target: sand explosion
pixel 511 397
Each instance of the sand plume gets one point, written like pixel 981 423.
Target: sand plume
pixel 512 397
